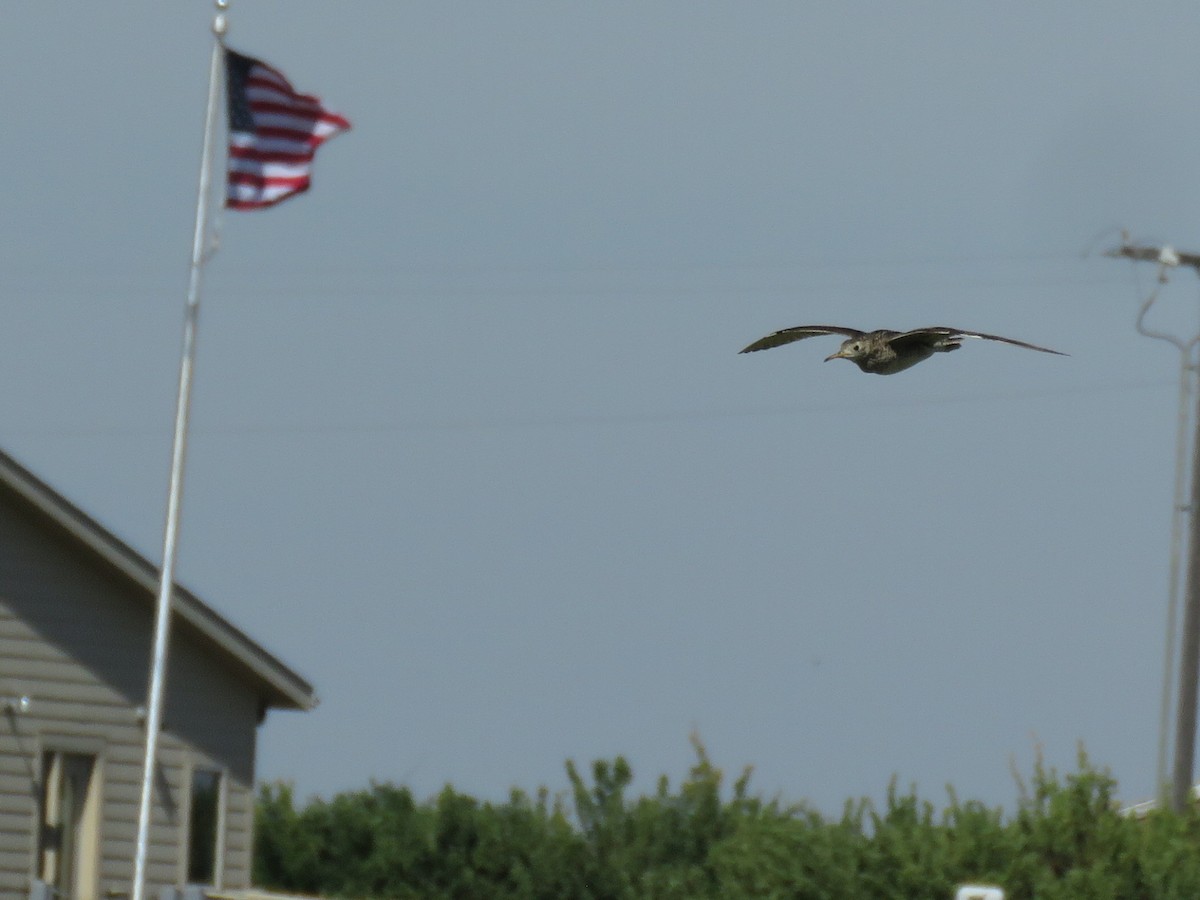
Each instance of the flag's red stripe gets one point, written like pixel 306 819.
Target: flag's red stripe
pixel 265 74
pixel 260 200
pixel 269 169
pixel 312 113
pixel 279 140
pixel 243 203
pixel 258 155
pixel 256 82
pixel 250 178
pixel 321 131
pixel 274 144
pixel 299 133
pixel 304 131
pixel 306 123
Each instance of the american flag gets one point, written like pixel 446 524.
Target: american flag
pixel 273 134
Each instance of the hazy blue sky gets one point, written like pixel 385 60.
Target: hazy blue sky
pixel 473 448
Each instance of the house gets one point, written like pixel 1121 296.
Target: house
pixel 76 626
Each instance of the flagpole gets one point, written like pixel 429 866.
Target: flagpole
pixel 162 616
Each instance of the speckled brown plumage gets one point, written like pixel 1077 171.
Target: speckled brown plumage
pixel 886 352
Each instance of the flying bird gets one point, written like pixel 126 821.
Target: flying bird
pixel 886 352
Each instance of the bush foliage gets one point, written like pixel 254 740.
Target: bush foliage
pixel 1066 839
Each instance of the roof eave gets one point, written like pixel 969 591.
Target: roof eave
pixel 286 688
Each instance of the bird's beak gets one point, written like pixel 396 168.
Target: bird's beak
pixel 838 355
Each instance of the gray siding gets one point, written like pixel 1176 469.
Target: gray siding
pixel 74 637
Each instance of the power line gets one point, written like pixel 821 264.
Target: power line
pixel 595 420
pixel 632 279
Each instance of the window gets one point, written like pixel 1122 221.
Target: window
pixel 204 829
pixel 67 844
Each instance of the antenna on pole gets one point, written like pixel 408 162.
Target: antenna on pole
pixel 1180 782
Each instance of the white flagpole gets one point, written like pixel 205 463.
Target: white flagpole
pixel 162 620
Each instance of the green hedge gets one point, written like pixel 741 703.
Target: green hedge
pixel 1066 839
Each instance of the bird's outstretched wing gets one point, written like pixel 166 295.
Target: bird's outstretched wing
pixel 937 334
pixel 798 333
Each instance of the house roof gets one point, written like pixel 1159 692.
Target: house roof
pixel 282 688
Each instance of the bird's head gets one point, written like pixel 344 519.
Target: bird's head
pixel 852 349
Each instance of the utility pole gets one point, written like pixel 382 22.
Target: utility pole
pixel 1189 662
